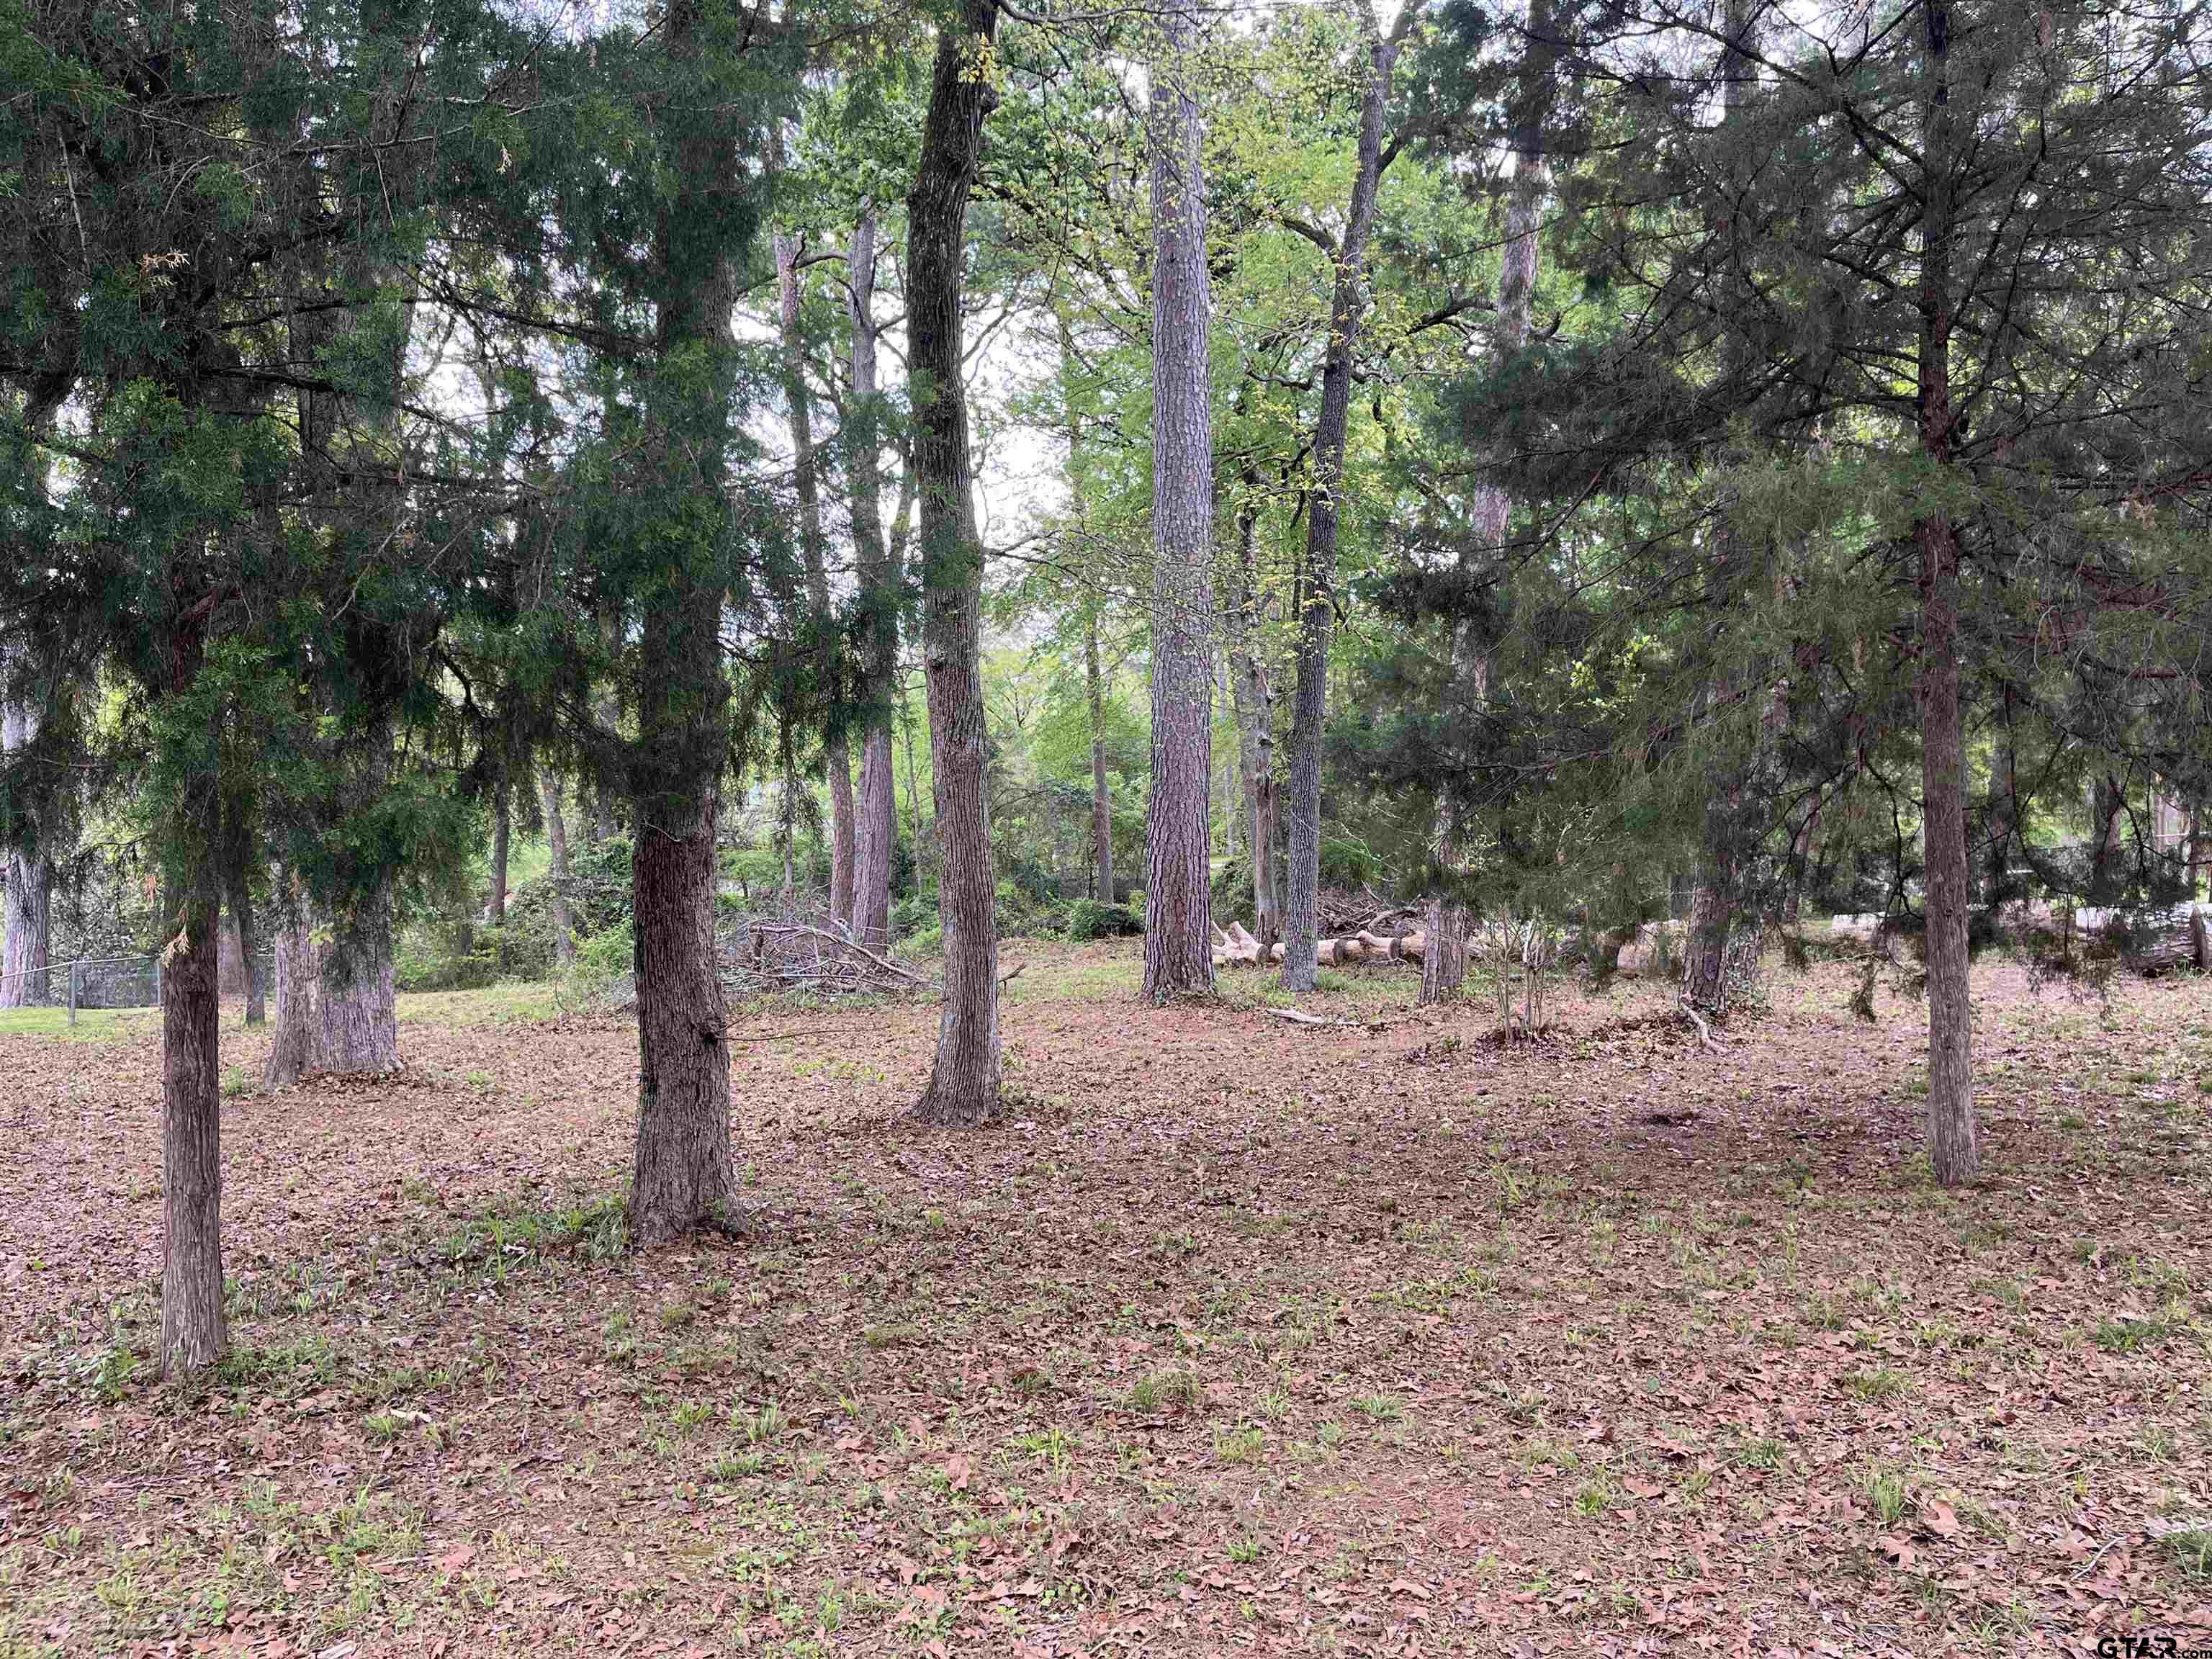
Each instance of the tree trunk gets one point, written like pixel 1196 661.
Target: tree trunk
pixel 875 836
pixel 192 1335
pixel 1952 1143
pixel 835 753
pixel 26 922
pixel 1178 918
pixel 556 847
pixel 356 1012
pixel 963 1084
pixel 1101 794
pixel 502 824
pixel 1317 607
pixel 292 1044
pixel 1718 893
pixel 1443 967
pixel 683 1177
pixel 1255 698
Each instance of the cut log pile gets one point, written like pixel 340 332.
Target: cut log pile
pixel 1238 949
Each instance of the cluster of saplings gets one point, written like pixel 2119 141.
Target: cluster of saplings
pixel 1594 455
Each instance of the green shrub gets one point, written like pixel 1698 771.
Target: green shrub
pixel 924 941
pixel 602 964
pixel 912 914
pixel 1088 919
pixel 1347 861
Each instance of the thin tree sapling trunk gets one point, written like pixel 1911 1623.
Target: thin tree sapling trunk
pixel 1317 599
pixel 1101 791
pixel 557 850
pixel 798 399
pixel 1953 1145
pixel 875 832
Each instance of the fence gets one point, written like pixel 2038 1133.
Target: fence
pixel 93 982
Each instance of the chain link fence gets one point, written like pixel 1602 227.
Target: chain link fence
pixel 93 982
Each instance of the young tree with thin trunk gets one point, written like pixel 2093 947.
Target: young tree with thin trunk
pixel 556 870
pixel 1246 617
pixel 1102 787
pixel 1316 614
pixel 1178 919
pixel 964 1082
pixel 798 400
pixel 28 871
pixel 875 836
pixel 1443 960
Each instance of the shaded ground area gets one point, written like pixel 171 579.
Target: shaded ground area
pixel 1237 1337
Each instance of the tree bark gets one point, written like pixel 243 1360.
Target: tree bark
pixel 682 1178
pixel 1178 916
pixel 875 836
pixel 837 753
pixel 1718 893
pixel 556 847
pixel 192 1335
pixel 1317 607
pixel 238 894
pixel 1255 697
pixel 963 1084
pixel 1952 1147
pixel 502 824
pixel 292 1044
pixel 356 1009
pixel 28 921
pixel 1102 793
pixel 1444 965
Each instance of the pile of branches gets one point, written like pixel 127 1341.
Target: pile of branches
pixel 793 942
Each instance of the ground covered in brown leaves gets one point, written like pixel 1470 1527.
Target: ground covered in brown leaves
pixel 1236 1337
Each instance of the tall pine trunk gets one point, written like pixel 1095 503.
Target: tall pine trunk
pixel 556 851
pixel 1952 1147
pixel 963 1083
pixel 1102 793
pixel 1317 599
pixel 193 1333
pixel 1253 694
pixel 1178 919
pixel 1717 890
pixel 356 1004
pixel 875 830
pixel 798 399
pixel 1443 963
pixel 25 981
pixel 682 1178
pixel 292 1043
pixel 502 828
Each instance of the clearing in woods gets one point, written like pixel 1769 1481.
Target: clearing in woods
pixel 1237 1337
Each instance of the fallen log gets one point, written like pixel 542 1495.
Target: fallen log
pixel 1237 948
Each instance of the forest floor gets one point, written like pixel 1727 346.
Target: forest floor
pixel 1236 1337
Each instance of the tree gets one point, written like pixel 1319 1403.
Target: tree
pixel 1316 609
pixel 799 402
pixel 964 1082
pixel 1178 922
pixel 1443 961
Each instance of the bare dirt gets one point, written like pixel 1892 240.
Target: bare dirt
pixel 1235 1337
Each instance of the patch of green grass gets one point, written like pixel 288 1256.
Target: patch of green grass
pixel 1175 1390
pixel 759 1426
pixel 510 1000
pixel 1889 1496
pixel 1764 1452
pixel 2132 1335
pixel 1242 1445
pixel 1596 1496
pixel 1880 1383
pixel 1380 1407
pixel 92 1024
pixel 2191 1549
